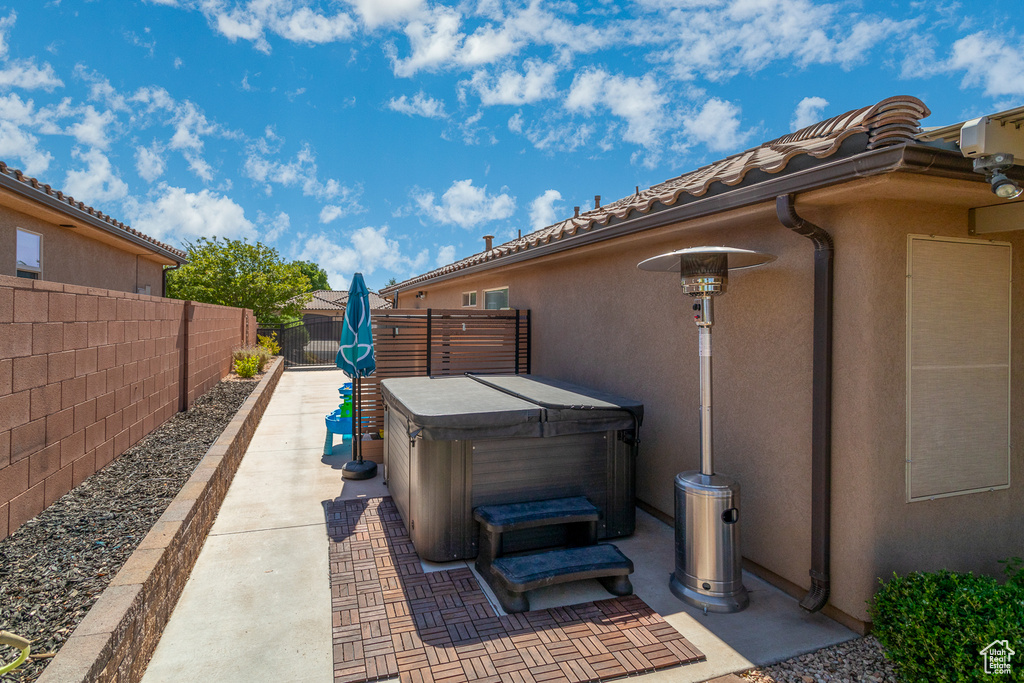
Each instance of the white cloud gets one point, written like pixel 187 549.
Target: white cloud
pixel 717 125
pixel 302 171
pixel 288 19
pixel 149 162
pixel 542 209
pixel 6 24
pixel 369 249
pixel 638 101
pixel 434 40
pixel 330 213
pixel 515 123
pixel 92 129
pixel 177 215
pixel 419 104
pixel 275 226
pixel 96 183
pixel 24 74
pixel 465 205
pixel 445 255
pixel 20 146
pixel 808 112
pixel 987 61
pixel 375 13
pixel 717 40
pixel 537 82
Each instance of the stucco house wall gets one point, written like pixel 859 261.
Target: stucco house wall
pixel 599 321
pixel 75 259
pixel 80 245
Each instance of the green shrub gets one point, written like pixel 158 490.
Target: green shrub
pixel 247 367
pixel 261 355
pixel 935 625
pixel 269 342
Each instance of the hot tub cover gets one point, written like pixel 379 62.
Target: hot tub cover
pixel 504 406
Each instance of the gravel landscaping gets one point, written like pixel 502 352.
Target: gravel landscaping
pixel 856 661
pixel 56 565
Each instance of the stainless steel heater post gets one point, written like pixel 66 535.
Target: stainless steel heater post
pixel 708 571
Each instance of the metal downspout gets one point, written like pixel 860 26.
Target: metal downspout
pixel 163 282
pixel 821 398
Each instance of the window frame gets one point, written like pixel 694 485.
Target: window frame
pixel 473 299
pixel 37 272
pixel 507 305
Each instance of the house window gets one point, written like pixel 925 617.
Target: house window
pixel 29 255
pixel 496 298
pixel 958 366
pixel 468 299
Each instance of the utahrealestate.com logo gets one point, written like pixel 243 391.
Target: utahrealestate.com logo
pixel 997 656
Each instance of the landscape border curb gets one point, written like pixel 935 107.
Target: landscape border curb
pixel 115 640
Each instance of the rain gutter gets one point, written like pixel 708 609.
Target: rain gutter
pixel 722 198
pixel 821 401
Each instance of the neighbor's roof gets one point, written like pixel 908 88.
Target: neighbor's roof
pixel 332 300
pixel 893 121
pixel 30 188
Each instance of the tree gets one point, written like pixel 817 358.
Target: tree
pixel 390 282
pixel 316 275
pixel 237 273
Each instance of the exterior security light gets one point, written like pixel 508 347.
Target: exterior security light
pixel 1004 187
pixel 992 167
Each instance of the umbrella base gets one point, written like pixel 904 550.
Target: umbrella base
pixel 359 469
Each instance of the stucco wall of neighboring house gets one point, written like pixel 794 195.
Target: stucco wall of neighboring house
pixel 74 258
pixel 599 321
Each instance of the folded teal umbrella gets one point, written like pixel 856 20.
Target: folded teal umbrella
pixel 356 359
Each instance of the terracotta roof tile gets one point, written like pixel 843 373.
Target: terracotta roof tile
pixel 335 300
pixel 893 121
pixel 115 225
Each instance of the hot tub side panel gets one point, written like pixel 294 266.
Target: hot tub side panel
pixel 396 459
pixel 440 517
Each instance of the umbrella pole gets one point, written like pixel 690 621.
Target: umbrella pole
pixel 357 438
pixel 357 468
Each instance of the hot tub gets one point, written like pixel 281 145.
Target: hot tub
pixel 454 443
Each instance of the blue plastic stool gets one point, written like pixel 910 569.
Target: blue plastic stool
pixel 336 424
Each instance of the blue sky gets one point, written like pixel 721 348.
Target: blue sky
pixel 389 136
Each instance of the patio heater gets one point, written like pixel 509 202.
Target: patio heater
pixel 707 505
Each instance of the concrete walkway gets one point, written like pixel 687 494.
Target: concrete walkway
pixel 257 606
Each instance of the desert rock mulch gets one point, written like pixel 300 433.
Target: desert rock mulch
pixel 56 565
pixel 861 660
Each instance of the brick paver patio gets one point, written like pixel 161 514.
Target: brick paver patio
pixel 393 619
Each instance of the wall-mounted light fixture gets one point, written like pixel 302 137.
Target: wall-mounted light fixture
pixel 421 295
pixel 992 166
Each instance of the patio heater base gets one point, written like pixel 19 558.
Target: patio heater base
pixel 722 603
pixel 708 564
pixel 359 469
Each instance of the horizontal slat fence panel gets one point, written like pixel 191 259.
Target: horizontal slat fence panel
pixel 416 343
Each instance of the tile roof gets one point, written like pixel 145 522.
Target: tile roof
pixel 893 121
pixel 335 300
pixel 111 225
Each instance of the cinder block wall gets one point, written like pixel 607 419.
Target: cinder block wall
pixel 85 373
pixel 213 331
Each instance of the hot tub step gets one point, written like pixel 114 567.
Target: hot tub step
pixel 511 577
pixel 516 516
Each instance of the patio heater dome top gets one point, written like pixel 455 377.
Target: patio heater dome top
pixel 704 270
pixel 736 258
